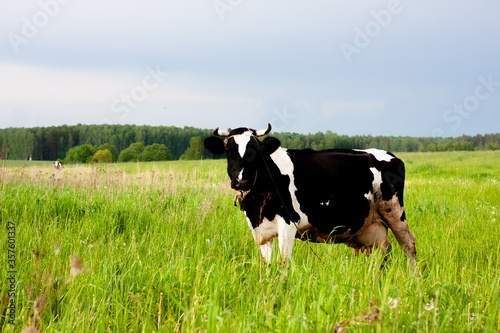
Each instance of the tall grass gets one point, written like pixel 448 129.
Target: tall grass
pixel 144 247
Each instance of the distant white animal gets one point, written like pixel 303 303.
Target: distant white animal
pixel 57 165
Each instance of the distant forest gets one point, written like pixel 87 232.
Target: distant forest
pixel 52 143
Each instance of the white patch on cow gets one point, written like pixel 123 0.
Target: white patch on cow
pixel 284 163
pixel 380 155
pixel 286 237
pixel 240 175
pixel 377 182
pixel 242 141
pixel 266 251
pixel 377 179
pixel 265 232
pixel 327 203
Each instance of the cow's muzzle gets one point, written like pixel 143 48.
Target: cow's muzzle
pixel 241 184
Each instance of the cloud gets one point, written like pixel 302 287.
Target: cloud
pixel 251 67
pixel 51 85
pixel 356 108
pixel 46 96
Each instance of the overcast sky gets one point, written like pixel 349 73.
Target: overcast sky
pixel 394 67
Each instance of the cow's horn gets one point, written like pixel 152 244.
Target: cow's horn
pixel 218 132
pixel 263 132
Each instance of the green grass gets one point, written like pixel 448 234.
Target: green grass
pixel 163 249
pixel 20 163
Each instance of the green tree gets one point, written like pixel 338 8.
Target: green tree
pixel 71 143
pixel 132 153
pixel 195 150
pixel 155 152
pixel 112 150
pixel 102 156
pixel 80 154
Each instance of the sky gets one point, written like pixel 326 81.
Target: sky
pixel 355 67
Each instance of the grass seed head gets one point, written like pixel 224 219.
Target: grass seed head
pixel 38 254
pixel 30 329
pixel 57 249
pixel 75 266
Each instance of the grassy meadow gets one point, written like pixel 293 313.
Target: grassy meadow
pixel 159 247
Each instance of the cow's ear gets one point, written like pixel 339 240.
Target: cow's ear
pixel 214 145
pixel 271 144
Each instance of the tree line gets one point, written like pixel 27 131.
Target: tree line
pixel 328 140
pixel 53 143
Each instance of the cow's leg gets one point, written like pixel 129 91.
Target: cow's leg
pixel 286 237
pixel 394 215
pixel 266 251
pixel 263 236
pixel 405 238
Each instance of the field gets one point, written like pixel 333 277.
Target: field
pixel 145 247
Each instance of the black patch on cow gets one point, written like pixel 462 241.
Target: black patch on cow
pixel 263 205
pixel 214 145
pixel 393 179
pixel 241 130
pixel 270 144
pixel 331 188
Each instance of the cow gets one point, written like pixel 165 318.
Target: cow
pixel 57 165
pixel 345 196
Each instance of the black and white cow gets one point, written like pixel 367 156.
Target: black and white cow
pixel 330 196
pixel 57 165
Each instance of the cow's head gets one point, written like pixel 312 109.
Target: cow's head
pixel 244 153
